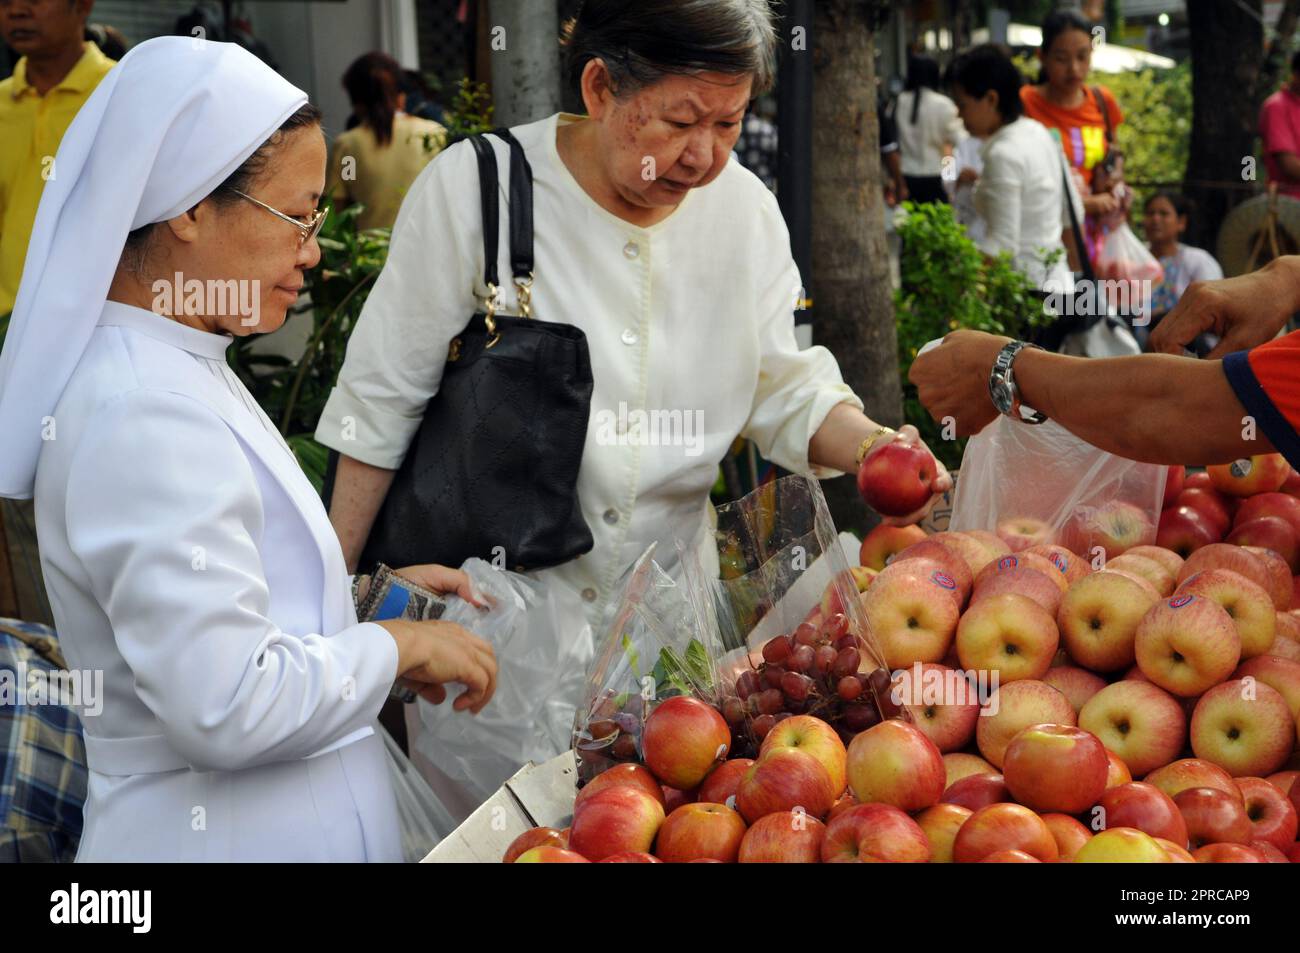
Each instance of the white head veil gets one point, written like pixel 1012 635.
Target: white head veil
pixel 163 129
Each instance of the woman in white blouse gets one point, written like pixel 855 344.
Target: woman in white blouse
pixel 1021 193
pixel 189 562
pixel 669 255
pixel 929 130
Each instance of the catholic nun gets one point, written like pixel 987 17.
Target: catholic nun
pixel 186 555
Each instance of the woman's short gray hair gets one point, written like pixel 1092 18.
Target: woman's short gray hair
pixel 643 41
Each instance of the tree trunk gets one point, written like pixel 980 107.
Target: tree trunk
pixel 523 40
pixel 1227 45
pixel 853 305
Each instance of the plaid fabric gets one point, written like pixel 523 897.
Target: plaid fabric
pixel 42 756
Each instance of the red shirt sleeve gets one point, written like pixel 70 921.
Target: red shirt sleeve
pixel 1266 380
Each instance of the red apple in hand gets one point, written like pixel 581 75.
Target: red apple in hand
pixel 684 738
pixel 895 479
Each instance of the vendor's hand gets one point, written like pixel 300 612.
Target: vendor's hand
pixel 441 579
pixel 952 380
pixel 432 654
pixel 968 176
pixel 940 485
pixel 1244 312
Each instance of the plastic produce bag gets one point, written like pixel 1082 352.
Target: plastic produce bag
pixel 783 577
pixel 1131 270
pixel 1041 484
pixel 422 817
pixel 541 660
pixel 656 643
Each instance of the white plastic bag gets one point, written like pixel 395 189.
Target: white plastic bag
pixel 419 812
pixel 543 645
pixel 1041 484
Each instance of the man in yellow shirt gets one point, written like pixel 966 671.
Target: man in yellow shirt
pixel 57 73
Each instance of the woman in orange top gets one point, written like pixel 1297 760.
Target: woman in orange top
pixel 1063 101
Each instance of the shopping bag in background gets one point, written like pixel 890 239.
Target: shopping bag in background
pixel 1041 484
pixel 541 659
pixel 1130 271
pixel 790 620
pixel 655 645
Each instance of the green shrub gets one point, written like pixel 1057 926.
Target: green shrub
pixel 947 283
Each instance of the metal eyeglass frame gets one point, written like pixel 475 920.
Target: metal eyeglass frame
pixel 307 232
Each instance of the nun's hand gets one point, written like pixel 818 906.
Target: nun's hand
pixel 939 485
pixel 433 654
pixel 442 580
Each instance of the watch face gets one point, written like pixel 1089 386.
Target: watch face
pixel 1001 394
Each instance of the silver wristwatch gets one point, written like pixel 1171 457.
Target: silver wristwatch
pixel 1002 386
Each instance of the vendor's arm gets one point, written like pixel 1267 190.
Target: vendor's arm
pixel 1155 408
pixel 1244 311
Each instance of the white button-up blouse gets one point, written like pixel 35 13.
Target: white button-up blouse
pixel 690 320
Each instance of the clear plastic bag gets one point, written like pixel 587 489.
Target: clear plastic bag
pixel 782 572
pixel 1041 484
pixel 655 644
pixel 1130 271
pixel 423 820
pixel 541 660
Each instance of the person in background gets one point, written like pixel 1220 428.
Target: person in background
pixel 1164 222
pixel 1021 193
pixel 375 163
pixel 928 129
pixel 109 39
pixel 891 159
pixel 1084 117
pixel 1279 130
pixel 961 190
pixel 56 74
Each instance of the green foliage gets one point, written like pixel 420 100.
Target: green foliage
pixel 947 283
pixel 1157 128
pixel 470 111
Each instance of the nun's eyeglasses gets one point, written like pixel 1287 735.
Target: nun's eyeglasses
pixel 306 230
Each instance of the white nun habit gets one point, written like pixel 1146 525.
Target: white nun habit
pixel 186 555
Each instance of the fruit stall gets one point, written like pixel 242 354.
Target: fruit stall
pixel 1109 672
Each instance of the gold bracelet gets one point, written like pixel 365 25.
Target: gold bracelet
pixel 867 444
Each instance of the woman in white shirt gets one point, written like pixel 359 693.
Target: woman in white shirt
pixel 929 129
pixel 670 256
pixel 1022 191
pixel 189 562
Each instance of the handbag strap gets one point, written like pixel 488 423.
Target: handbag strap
pixel 491 203
pixel 521 216
pixel 1100 100
pixel 1084 260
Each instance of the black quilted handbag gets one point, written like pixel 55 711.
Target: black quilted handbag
pixel 493 470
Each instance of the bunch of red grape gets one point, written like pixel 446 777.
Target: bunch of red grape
pixel 816 670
